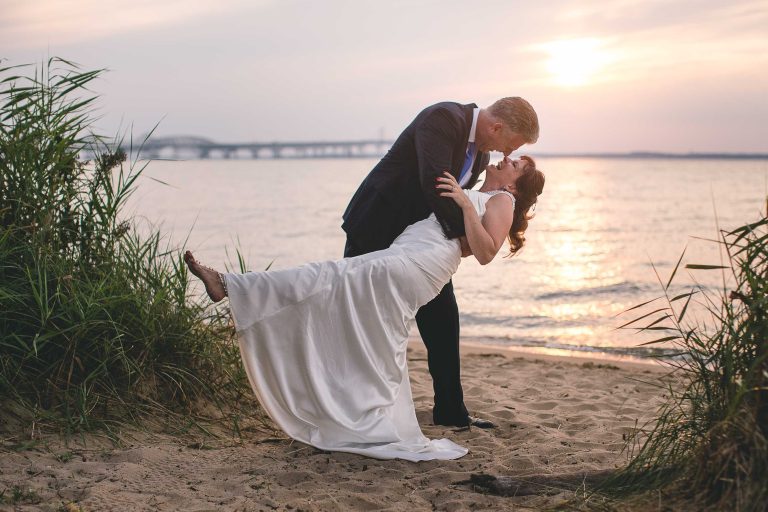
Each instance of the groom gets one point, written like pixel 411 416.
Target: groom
pixel 400 190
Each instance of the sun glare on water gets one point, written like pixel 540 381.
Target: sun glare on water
pixel 576 62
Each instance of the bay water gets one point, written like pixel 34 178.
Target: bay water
pixel 606 232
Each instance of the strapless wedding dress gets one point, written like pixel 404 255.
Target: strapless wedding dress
pixel 324 344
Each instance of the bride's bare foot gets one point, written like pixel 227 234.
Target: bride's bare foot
pixel 213 281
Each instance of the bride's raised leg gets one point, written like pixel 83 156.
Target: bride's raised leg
pixel 213 280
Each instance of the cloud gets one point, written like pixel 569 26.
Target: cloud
pixel 26 23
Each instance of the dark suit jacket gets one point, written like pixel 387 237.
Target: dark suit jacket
pixel 400 190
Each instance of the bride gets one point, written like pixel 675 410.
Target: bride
pixel 324 344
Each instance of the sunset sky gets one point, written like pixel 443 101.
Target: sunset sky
pixel 618 75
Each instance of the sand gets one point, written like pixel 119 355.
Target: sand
pixel 556 416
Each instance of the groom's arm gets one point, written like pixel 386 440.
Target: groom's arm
pixel 435 141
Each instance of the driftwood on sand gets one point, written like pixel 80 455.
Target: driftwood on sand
pixel 536 484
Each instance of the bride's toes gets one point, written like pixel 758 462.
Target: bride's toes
pixel 192 263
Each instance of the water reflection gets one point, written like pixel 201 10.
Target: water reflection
pixel 574 229
pixel 574 310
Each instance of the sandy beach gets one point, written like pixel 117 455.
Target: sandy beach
pixel 557 417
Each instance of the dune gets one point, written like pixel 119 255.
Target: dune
pixel 559 420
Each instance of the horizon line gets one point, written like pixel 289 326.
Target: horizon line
pixel 192 140
pixel 656 154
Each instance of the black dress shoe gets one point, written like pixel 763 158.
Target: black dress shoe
pixel 481 423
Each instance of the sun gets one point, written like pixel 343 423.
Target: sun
pixel 576 62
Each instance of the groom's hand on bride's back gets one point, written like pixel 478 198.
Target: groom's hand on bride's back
pixel 465 249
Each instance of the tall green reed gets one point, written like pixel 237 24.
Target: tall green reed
pixel 710 439
pixel 96 321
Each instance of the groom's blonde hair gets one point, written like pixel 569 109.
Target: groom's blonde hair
pixel 518 115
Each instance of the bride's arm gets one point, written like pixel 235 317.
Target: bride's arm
pixel 485 235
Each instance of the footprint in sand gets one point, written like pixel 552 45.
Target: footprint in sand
pixel 542 406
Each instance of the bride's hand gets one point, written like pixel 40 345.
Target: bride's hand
pixel 449 187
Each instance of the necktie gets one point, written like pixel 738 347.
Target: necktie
pixel 467 168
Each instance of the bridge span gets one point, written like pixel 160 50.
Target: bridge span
pixel 184 148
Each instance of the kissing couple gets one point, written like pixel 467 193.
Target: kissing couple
pixel 324 344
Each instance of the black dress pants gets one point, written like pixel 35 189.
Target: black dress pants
pixel 438 323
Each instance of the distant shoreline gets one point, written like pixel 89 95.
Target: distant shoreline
pixel 199 148
pixel 605 156
pixel 658 155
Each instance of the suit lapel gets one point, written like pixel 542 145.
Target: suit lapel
pixel 469 111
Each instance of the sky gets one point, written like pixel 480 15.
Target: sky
pixel 603 75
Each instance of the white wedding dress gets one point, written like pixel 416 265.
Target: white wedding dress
pixel 324 344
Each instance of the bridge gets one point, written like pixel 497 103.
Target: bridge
pixel 183 148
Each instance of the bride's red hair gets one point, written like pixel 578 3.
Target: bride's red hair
pixel 529 186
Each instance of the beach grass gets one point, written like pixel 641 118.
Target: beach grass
pixel 709 442
pixel 97 322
